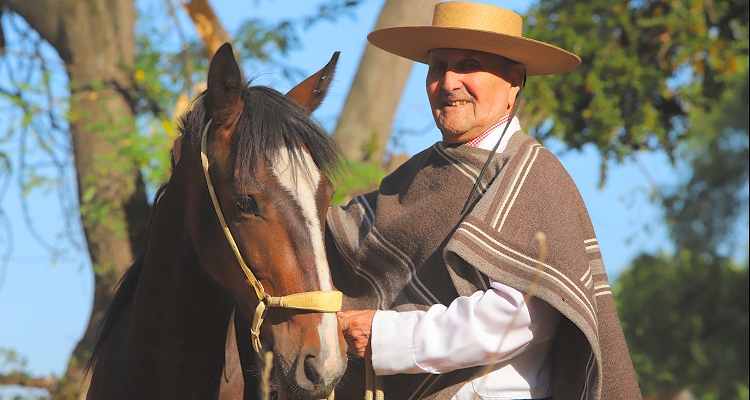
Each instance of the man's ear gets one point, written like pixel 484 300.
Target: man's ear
pixel 311 92
pixel 517 82
pixel 223 96
pixel 518 73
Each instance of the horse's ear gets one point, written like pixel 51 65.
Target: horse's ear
pixel 224 88
pixel 311 92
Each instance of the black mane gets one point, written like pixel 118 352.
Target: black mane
pixel 125 291
pixel 270 121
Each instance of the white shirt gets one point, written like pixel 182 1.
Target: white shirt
pixel 495 328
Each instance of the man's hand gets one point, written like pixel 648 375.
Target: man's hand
pixel 357 327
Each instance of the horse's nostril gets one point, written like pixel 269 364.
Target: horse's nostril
pixel 313 370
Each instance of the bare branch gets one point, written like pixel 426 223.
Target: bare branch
pixel 41 15
pixel 207 24
pixel 22 379
pixel 185 45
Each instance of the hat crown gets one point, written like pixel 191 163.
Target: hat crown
pixel 477 16
pixel 479 27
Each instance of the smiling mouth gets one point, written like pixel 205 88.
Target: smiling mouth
pixel 456 103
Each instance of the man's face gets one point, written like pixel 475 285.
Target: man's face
pixel 469 91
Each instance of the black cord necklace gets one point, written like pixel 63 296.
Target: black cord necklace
pixel 494 149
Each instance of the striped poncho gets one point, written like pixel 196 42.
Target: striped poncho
pixel 407 246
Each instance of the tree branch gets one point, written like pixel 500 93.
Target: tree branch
pixel 207 24
pixel 42 15
pixel 22 379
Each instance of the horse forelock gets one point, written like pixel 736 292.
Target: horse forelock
pixel 272 123
pixel 269 123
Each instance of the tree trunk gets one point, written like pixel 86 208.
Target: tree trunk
pixel 364 126
pixel 96 41
pixel 207 24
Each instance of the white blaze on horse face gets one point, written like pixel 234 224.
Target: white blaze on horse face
pixel 303 185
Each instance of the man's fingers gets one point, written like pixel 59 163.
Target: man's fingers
pixel 354 319
pixel 356 326
pixel 343 320
pixel 350 313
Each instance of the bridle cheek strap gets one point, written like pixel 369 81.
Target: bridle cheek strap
pixel 318 301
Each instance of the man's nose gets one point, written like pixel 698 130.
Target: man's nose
pixel 452 81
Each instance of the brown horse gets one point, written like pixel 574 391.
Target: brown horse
pixel 165 333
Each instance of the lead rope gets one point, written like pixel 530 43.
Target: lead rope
pixel 373 383
pixel 320 301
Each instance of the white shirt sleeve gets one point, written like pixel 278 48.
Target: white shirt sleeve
pixel 480 329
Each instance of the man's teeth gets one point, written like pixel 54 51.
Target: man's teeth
pixel 457 103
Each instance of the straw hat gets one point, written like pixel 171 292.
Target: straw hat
pixel 475 26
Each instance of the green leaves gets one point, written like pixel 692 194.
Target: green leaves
pixel 705 208
pixel 671 76
pixel 685 318
pixel 646 66
pixel 358 178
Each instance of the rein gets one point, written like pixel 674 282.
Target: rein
pixel 320 301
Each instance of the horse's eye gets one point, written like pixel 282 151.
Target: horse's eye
pixel 248 205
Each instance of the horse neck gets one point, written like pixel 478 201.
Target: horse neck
pixel 180 315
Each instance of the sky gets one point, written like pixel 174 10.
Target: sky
pixel 44 308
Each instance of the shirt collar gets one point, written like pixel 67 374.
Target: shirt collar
pixel 489 138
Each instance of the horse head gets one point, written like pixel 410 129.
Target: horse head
pixel 265 161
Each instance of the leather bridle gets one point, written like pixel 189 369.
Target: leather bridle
pixel 320 301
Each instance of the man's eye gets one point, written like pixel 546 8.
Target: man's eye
pixel 469 66
pixel 436 69
pixel 248 205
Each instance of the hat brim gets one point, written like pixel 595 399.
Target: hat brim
pixel 415 43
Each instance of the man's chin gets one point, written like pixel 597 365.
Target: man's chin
pixel 452 141
pixel 456 136
pixel 451 133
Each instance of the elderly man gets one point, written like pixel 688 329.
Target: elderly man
pixel 478 253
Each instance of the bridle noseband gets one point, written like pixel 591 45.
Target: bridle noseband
pixel 320 301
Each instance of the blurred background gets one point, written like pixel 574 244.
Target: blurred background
pixel 653 128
